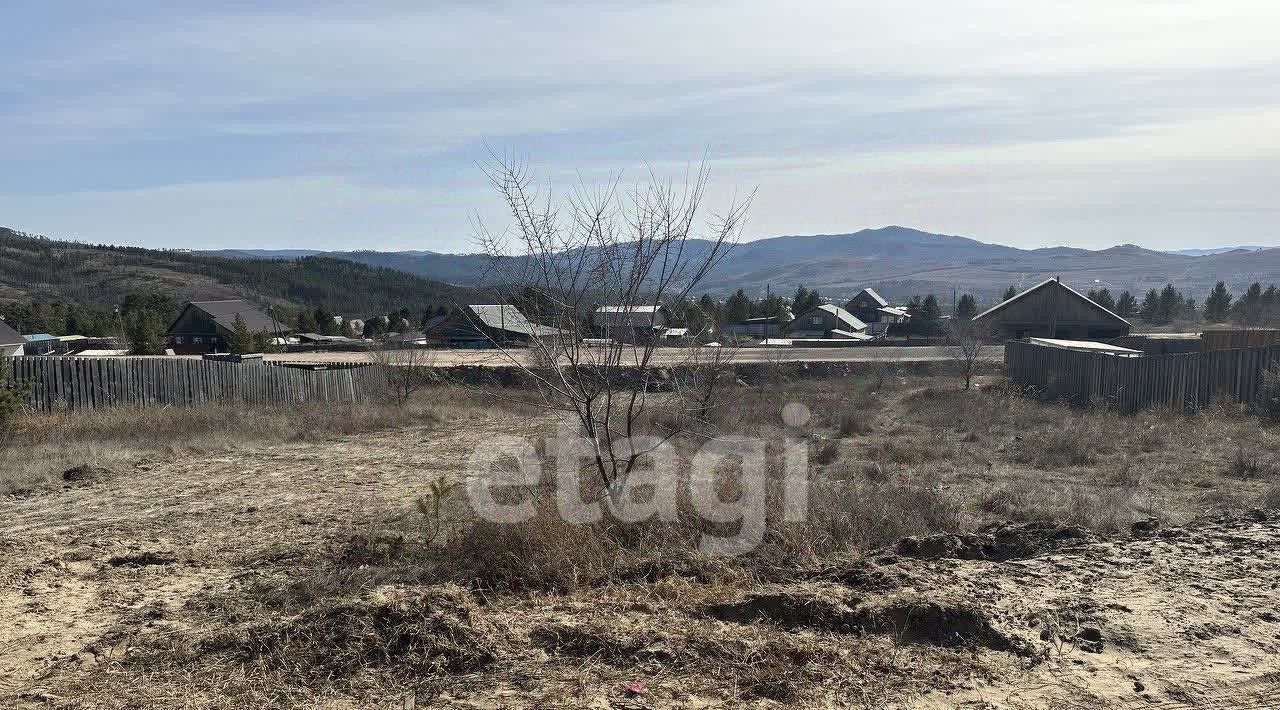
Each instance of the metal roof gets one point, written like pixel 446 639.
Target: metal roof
pixel 843 316
pixel 37 337
pixel 1041 285
pixel 224 314
pixel 874 296
pixel 1085 345
pixel 509 318
pixel 9 336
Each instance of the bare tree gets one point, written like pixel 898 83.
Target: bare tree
pixel 630 249
pixel 965 340
pixel 407 367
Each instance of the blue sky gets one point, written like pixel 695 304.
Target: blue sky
pixel 358 125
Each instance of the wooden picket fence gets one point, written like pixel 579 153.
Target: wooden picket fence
pixel 90 382
pixel 1181 382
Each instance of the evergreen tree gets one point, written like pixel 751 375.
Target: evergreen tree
pixel 1218 305
pixel 1248 309
pixel 1149 311
pixel 145 332
pixel 805 300
pixel 241 337
pixel 324 322
pixel 305 322
pixel 1009 293
pixel 1127 305
pixel 967 307
pixel 737 307
pixel 1170 304
pixel 930 310
pixel 1103 298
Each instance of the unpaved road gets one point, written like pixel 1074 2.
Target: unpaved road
pixel 673 356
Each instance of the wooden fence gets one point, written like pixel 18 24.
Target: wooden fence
pixel 1183 382
pixel 88 382
pixel 1237 338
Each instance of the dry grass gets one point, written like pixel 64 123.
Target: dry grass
pixel 547 608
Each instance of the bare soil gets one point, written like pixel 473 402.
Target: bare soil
pixel 296 573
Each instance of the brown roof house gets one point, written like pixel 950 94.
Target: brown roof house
pixel 206 326
pixel 1052 310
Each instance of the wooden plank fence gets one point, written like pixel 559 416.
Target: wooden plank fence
pixel 1238 338
pixel 91 382
pixel 1182 382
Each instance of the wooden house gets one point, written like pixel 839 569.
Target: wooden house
pixel 1052 310
pixel 629 324
pixel 206 326
pixel 825 321
pixel 487 325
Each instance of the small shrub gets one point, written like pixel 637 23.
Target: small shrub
pixel 1267 403
pixel 1248 465
pixel 827 454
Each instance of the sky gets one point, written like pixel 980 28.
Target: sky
pixel 360 125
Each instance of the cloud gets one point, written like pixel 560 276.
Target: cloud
pixel 978 116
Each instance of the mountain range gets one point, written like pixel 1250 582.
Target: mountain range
pixel 900 262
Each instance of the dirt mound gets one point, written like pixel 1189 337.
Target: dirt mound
pixel 142 559
pixel 85 474
pixel 997 543
pixel 809 607
pixel 938 623
pixel 416 631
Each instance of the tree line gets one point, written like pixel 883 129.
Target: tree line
pixel 1257 306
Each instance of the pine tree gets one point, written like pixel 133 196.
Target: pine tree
pixel 737 308
pixel 930 310
pixel 241 337
pixel 1170 304
pixel 1127 305
pixel 1009 293
pixel 967 307
pixel 145 333
pixel 1248 309
pixel 1150 309
pixel 1103 298
pixel 1218 305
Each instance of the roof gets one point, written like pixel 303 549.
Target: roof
pixel 433 322
pixel 628 316
pixel 1037 287
pixel 844 317
pixel 9 336
pixel 1084 345
pixel 37 337
pixel 874 296
pixel 509 318
pixel 224 314
pixel 675 332
pixel 894 311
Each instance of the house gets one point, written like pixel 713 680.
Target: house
pixel 630 323
pixel 1053 310
pixel 486 325
pixel 40 344
pixel 206 326
pixel 871 308
pixel 762 327
pixel 825 321
pixel 12 343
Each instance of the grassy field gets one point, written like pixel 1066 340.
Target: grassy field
pixel 249 557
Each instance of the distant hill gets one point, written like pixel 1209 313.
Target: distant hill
pixel 899 262
pixel 36 268
pixel 1215 250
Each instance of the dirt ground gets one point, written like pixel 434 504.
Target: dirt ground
pixel 279 575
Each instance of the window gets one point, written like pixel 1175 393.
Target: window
pixel 816 320
pixel 178 340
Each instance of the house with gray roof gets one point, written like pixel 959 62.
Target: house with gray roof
pixel 825 321
pixel 487 325
pixel 206 326
pixel 11 341
pixel 630 323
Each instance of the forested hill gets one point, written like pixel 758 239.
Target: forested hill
pixel 34 268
